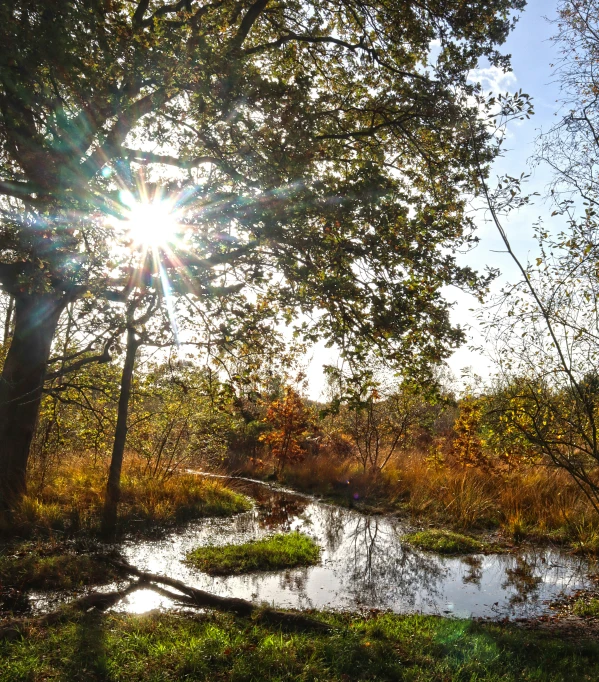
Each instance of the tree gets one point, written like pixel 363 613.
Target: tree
pixel 316 149
pixel 379 413
pixel 467 447
pixel 545 400
pixel 571 146
pixel 291 422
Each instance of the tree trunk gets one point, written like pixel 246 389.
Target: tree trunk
pixel 21 383
pixel 8 319
pixel 113 488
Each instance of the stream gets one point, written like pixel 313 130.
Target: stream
pixel 364 565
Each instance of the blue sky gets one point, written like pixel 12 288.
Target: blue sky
pixel 533 53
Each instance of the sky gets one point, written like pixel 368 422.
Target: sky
pixel 532 54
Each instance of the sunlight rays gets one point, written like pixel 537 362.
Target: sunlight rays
pixel 151 224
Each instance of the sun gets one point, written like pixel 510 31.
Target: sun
pixel 151 224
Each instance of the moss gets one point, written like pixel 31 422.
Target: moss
pixel 169 647
pixel 587 608
pixel 445 542
pixel 276 552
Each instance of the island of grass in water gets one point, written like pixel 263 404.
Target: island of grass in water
pixel 284 550
pixel 445 542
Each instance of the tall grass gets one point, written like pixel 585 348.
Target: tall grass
pixel 72 497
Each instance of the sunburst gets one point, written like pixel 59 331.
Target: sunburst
pixel 151 224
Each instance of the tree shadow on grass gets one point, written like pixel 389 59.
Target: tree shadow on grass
pixel 88 660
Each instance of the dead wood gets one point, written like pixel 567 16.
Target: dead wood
pixel 202 599
pixel 190 596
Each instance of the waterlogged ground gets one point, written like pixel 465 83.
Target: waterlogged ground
pixel 363 565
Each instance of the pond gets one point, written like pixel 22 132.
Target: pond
pixel 364 565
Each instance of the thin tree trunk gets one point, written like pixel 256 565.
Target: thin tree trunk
pixel 113 488
pixel 8 319
pixel 21 383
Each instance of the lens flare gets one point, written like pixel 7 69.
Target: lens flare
pixel 152 224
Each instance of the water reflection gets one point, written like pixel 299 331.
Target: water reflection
pixel 363 565
pixel 524 578
pixel 384 572
pixel 474 572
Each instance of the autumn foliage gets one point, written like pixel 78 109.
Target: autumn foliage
pixel 291 422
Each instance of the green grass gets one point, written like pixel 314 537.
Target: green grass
pixel 276 552
pixel 220 647
pixel 444 542
pixel 588 608
pixel 34 569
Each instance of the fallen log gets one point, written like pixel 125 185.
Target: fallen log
pixel 191 596
pixel 100 601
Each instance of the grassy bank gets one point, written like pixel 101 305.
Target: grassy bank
pixel 71 501
pixel 532 503
pixel 220 647
pixel 273 553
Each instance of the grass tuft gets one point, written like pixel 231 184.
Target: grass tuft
pixel 276 552
pixel 444 542
pixel 586 608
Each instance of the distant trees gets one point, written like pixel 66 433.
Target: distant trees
pixel 381 413
pixel 290 423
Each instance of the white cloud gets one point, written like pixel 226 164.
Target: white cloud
pixel 493 79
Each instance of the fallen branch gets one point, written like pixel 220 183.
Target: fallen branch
pixel 13 629
pixel 199 598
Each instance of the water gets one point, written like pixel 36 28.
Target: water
pixel 364 565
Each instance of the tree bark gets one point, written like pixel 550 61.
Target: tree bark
pixel 113 488
pixel 21 383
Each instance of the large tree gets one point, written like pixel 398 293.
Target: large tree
pixel 318 149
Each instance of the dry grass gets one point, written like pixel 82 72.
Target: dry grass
pixel 534 502
pixel 72 498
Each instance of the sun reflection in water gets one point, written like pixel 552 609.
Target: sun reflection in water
pixel 142 601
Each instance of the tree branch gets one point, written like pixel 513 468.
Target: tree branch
pixel 100 359
pixel 249 19
pixel 150 157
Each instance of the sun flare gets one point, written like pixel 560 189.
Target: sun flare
pixel 152 224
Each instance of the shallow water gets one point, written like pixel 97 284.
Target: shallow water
pixel 363 565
